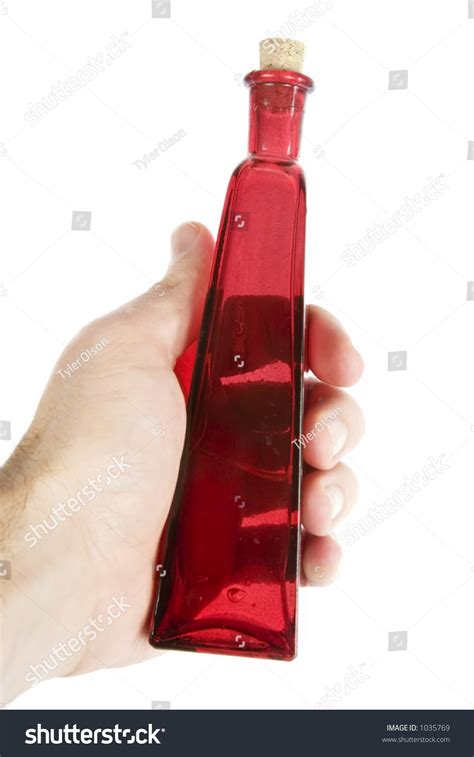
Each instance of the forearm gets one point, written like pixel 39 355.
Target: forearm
pixel 34 591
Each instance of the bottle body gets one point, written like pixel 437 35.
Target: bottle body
pixel 229 557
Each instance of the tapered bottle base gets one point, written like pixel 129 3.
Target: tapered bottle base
pixel 225 641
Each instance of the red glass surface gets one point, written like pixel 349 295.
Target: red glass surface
pixel 228 563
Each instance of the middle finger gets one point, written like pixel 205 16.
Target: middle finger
pixel 333 424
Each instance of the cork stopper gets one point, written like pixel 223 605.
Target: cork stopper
pixel 286 54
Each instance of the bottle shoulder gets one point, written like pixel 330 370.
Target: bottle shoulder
pixel 252 167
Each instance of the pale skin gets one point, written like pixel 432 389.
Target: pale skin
pixel 127 402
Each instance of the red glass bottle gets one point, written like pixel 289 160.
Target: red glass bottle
pixel 228 563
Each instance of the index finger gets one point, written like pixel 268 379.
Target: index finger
pixel 331 356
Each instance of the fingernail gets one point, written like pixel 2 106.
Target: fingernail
pixel 336 498
pixel 182 238
pixel 338 432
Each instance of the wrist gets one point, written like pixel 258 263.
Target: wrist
pixel 35 593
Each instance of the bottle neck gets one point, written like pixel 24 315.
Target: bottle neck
pixel 277 101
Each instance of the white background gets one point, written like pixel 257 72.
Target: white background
pixel 414 571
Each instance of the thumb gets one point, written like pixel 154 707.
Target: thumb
pixel 180 296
